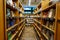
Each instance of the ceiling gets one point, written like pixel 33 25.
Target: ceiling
pixel 30 2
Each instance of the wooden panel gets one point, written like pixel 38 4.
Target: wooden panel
pixel 58 10
pixel 1 21
pixel 45 3
pixel 58 31
pixel 58 23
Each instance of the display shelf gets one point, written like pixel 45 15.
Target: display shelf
pixel 45 36
pixel 50 19
pixel 16 32
pixel 15 25
pixel 37 26
pixel 37 31
pixel 14 35
pixel 48 28
pixel 10 7
pixel 20 32
pixel 10 22
pixel 15 8
pixel 39 5
pixel 46 9
pixel 41 34
pixel 38 12
pixel 20 27
pixel 45 26
pixel 11 27
pixel 49 7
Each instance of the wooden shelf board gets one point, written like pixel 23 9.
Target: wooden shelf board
pixel 11 27
pixel 21 26
pixel 49 7
pixel 20 32
pixel 38 32
pixel 17 39
pixel 48 28
pixel 14 26
pixel 37 26
pixel 44 26
pixel 47 18
pixel 45 36
pixel 41 33
pixel 14 35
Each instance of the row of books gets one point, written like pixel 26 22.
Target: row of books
pixel 13 4
pixel 49 14
pixel 10 21
pixel 49 21
pixel 10 2
pixel 10 18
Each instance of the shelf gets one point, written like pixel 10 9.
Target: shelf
pixel 44 26
pixel 48 28
pixel 46 9
pixel 37 31
pixel 20 32
pixel 21 26
pixel 41 33
pixel 48 18
pixel 11 27
pixel 10 7
pixel 49 7
pixel 14 25
pixel 36 21
pixel 45 36
pixel 16 33
pixel 37 27
pixel 38 12
pixel 39 5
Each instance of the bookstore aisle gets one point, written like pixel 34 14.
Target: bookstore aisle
pixel 29 19
pixel 29 34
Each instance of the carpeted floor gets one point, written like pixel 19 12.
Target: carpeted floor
pixel 29 34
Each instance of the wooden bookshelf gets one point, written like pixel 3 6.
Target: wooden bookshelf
pixel 14 35
pixel 45 36
pixel 14 25
pixel 37 27
pixel 37 30
pixel 14 8
pixel 50 24
pixel 10 7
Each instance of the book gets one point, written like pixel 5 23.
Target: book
pixel 51 13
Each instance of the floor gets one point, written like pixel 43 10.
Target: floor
pixel 29 34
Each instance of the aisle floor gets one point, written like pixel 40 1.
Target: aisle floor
pixel 29 34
